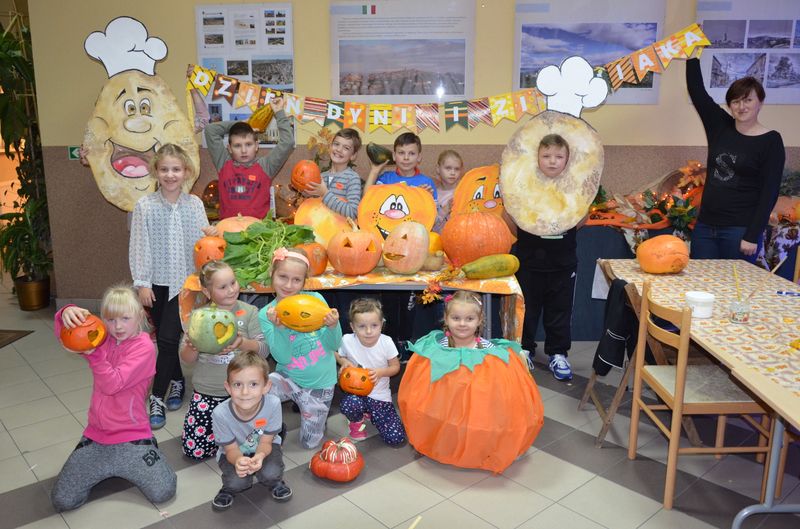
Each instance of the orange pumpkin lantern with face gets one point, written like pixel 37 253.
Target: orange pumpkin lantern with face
pixel 385 206
pixel 479 190
pixel 356 380
pixel 208 249
pixel 324 221
pixel 86 336
pixel 406 248
pixel 302 312
pixel 355 252
pixel 305 172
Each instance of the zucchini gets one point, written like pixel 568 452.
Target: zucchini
pixel 497 265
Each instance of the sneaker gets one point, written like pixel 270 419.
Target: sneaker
pixel 175 394
pixel 560 367
pixel 528 358
pixel 281 492
pixel 358 430
pixel 223 500
pixel 157 413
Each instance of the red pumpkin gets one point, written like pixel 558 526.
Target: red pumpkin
pixel 85 337
pixel 356 380
pixel 317 257
pixel 355 253
pixel 664 254
pixel 337 461
pixel 208 249
pixel 470 236
pixel 406 248
pixel 305 172
pixel 235 224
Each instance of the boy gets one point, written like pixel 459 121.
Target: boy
pixel 547 272
pixel 244 180
pixel 340 188
pixel 407 156
pixel 248 428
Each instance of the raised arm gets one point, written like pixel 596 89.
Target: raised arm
pixel 273 162
pixel 711 114
pixel 215 141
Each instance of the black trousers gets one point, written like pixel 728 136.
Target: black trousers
pixel 167 319
pixel 550 295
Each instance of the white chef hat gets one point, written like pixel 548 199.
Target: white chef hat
pixel 572 87
pixel 125 46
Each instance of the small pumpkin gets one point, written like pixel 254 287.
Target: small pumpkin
pixel 479 190
pixel 235 224
pixel 208 249
pixel 324 221
pixel 379 154
pixel 305 172
pixel 434 242
pixel 317 257
pixel 211 329
pixel 337 461
pixel 355 252
pixel 664 254
pixel 260 119
pixel 302 312
pixel 385 206
pixel 470 236
pixel 356 380
pixel 84 337
pixel 405 249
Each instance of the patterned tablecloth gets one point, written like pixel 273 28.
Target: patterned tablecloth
pixel 756 352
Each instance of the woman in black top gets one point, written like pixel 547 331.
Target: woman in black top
pixel 745 165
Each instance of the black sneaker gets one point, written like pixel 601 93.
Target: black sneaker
pixel 281 492
pixel 223 500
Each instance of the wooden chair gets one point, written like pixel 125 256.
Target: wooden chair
pixel 685 390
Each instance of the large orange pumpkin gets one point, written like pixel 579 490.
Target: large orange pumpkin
pixel 317 257
pixel 406 248
pixel 302 312
pixel 470 236
pixel 337 461
pixel 664 254
pixel 208 249
pixel 305 172
pixel 86 336
pixel 356 380
pixel 235 224
pixel 479 190
pixel 385 206
pixel 355 252
pixel 324 221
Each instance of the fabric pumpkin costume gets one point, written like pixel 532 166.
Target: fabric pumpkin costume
pixel 472 408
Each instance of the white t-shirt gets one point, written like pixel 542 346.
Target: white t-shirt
pixel 374 357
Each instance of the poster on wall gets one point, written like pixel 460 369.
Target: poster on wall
pixel 760 39
pixel 250 46
pixel 410 51
pixel 548 32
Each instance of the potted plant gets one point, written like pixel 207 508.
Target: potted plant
pixel 25 249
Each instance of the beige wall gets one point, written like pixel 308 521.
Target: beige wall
pixel 643 141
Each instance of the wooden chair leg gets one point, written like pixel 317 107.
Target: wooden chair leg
pixel 672 461
pixel 720 439
pixel 691 431
pixel 588 391
pixel 615 402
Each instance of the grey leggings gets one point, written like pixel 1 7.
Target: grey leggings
pixel 314 406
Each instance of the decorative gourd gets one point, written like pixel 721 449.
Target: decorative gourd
pixel 470 236
pixel 305 172
pixel 406 248
pixel 434 262
pixel 302 312
pixel 434 242
pixel 208 249
pixel 356 380
pixel 664 254
pixel 385 206
pixel 337 461
pixel 355 252
pixel 378 154
pixel 324 221
pixel 86 336
pixel 490 266
pixel 235 224
pixel 479 190
pixel 260 119
pixel 317 257
pixel 211 329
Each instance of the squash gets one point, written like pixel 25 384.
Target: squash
pixel 235 224
pixel 664 254
pixel 378 154
pixel 317 257
pixel 406 248
pixel 356 380
pixel 434 242
pixel 337 461
pixel 479 190
pixel 208 249
pixel 302 312
pixel 470 236
pixel 324 221
pixel 305 172
pixel 434 262
pixel 385 206
pixel 498 265
pixel 87 336
pixel 260 119
pixel 355 252
pixel 211 329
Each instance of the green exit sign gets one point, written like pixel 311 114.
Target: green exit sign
pixel 74 153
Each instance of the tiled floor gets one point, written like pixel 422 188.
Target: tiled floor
pixel 562 481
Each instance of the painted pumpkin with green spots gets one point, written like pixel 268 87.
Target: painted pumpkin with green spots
pixel 211 329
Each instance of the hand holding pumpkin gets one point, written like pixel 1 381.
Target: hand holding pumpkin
pixel 331 318
pixel 234 345
pixel 316 189
pixel 210 231
pixel 74 316
pixel 272 316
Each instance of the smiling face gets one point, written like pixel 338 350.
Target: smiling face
pixel 342 153
pixel 135 114
pixel 479 190
pixel 384 207
pixel 462 320
pixel 224 289
pixel 407 158
pixel 288 277
pixel 746 109
pixel 247 388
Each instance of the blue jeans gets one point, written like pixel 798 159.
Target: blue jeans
pixel 720 242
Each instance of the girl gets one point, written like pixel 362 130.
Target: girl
pixel 164 228
pixel 117 441
pixel 369 348
pixel 449 169
pixel 219 285
pixel 306 366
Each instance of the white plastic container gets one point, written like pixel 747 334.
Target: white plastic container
pixel 701 303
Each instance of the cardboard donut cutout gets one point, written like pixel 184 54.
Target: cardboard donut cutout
pixel 544 205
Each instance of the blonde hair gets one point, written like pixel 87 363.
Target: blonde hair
pixel 208 270
pixel 175 151
pixel 468 298
pixel 364 306
pixel 122 300
pixel 449 153
pixel 246 359
pixel 299 251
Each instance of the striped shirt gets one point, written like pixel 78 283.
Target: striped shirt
pixel 344 192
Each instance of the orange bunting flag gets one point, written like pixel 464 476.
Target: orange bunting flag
pixel 621 71
pixel 668 49
pixel 225 88
pixel 315 109
pixel 201 78
pixel 247 95
pixel 691 37
pixel 502 107
pixel 403 116
pixel 294 105
pixel 526 102
pixel 645 60
pixel 355 115
pixel 380 117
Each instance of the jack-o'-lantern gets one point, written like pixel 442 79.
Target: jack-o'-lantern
pixel 211 329
pixel 337 461
pixel 317 257
pixel 385 206
pixel 479 190
pixel 406 248
pixel 305 172
pixel 324 221
pixel 664 254
pixel 355 252
pixel 84 337
pixel 208 249
pixel 470 236
pixel 356 380
pixel 302 312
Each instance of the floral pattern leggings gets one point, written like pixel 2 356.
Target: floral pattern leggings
pixel 198 437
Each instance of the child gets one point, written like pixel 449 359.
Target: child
pixel 117 441
pixel 220 286
pixel 249 428
pixel 367 347
pixel 548 267
pixel 449 169
pixel 165 226
pixel 340 188
pixel 407 156
pixel 244 180
pixel 306 366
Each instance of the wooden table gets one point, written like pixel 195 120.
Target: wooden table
pixel 757 353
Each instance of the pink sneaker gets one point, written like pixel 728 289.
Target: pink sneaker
pixel 358 431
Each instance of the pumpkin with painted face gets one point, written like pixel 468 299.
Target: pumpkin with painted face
pixel 355 252
pixel 479 190
pixel 356 380
pixel 383 207
pixel 87 336
pixel 406 248
pixel 211 329
pixel 302 312
pixel 208 249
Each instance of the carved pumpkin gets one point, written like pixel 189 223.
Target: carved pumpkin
pixel 356 380
pixel 305 172
pixel 337 461
pixel 85 337
pixel 664 254
pixel 479 190
pixel 208 249
pixel 317 257
pixel 324 221
pixel 235 224
pixel 355 253
pixel 405 249
pixel 302 312
pixel 470 236
pixel 385 206
pixel 211 329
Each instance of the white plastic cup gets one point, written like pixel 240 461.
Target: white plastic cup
pixel 701 303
